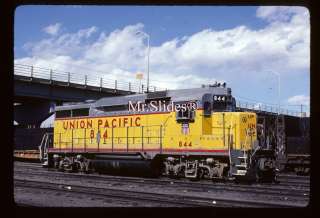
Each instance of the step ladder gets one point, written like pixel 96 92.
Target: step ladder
pixel 43 148
pixel 243 166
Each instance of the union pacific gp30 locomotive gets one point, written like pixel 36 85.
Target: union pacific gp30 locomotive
pixel 193 133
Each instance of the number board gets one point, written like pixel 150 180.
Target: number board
pixel 219 98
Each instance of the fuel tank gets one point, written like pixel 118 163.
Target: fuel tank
pixel 124 165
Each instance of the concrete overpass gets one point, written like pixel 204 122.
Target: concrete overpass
pixel 37 90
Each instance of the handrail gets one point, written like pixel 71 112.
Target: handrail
pixel 113 143
pixel 266 108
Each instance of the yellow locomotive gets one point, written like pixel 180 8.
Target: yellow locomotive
pixel 193 133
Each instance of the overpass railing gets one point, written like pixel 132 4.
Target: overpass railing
pixel 31 72
pixel 268 108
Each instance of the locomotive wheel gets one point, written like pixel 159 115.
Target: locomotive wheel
pixel 200 175
pixel 70 169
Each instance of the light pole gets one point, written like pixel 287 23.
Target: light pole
pixel 279 86
pixel 148 55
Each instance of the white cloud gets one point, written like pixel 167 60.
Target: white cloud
pixel 68 44
pixel 232 55
pixel 299 99
pixel 52 29
pixel 280 13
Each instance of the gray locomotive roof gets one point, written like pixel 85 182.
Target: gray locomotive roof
pixel 195 93
pixel 119 100
pixel 179 95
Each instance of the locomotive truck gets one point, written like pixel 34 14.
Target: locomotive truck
pixel 193 133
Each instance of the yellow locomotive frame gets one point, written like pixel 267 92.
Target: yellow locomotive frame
pixel 156 132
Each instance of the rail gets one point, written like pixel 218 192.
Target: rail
pixel 32 72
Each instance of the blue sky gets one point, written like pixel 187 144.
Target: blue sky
pixel 162 22
pixel 190 45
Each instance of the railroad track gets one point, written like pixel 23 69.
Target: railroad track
pixel 281 177
pixel 27 164
pixel 283 182
pixel 271 189
pixel 127 196
pixel 286 175
pixel 167 199
pixel 294 180
pixel 302 183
